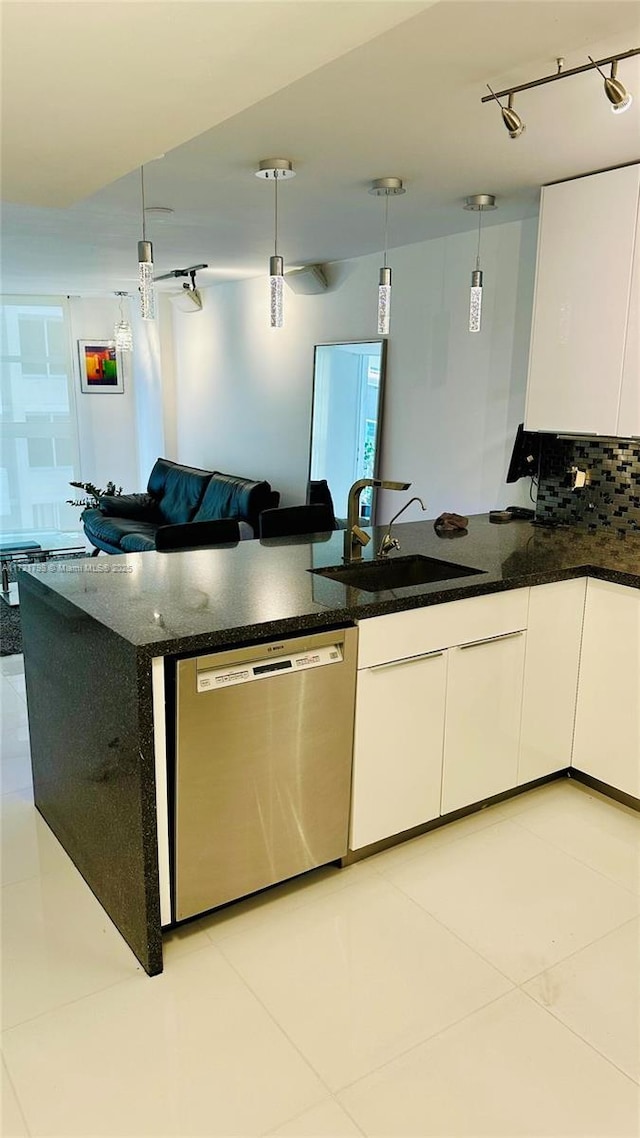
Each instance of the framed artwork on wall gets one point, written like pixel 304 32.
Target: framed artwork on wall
pixel 100 367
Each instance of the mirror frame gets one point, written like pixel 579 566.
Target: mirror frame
pixel 382 341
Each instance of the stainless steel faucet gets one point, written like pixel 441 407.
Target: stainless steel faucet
pixel 388 542
pixel 354 537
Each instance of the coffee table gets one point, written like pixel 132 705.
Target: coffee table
pixel 30 548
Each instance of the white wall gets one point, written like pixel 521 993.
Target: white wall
pixel 121 435
pixel 106 421
pixel 453 399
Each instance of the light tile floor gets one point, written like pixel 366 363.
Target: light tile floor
pixel 483 980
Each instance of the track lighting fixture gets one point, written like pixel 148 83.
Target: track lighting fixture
pixel 479 202
pixel 615 91
pixel 145 266
pixel 385 187
pixel 276 169
pixel 122 333
pixel 510 118
pixel 190 299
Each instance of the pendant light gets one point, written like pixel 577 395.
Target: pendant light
pixel 479 202
pixel 122 332
pixel 145 266
pixel 276 169
pixel 385 187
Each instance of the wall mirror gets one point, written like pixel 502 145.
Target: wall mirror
pixel 348 385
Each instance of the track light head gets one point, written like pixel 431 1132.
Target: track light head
pixel 512 120
pixel 615 91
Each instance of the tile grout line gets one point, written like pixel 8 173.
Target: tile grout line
pixel 579 861
pixel 582 1039
pixel 15 1094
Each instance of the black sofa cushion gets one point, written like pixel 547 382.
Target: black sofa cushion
pixel 228 496
pixel 141 541
pixel 178 490
pixel 112 530
pixel 129 506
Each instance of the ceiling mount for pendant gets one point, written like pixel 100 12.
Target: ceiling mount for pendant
pixel 276 168
pixel 481 201
pixel 382 186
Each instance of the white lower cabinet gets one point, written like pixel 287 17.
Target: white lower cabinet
pixel 403 699
pixel 607 733
pixel 554 631
pixel 458 702
pixel 482 730
pixel 397 766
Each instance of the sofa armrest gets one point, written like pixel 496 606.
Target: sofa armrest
pixel 195 535
pixel 141 506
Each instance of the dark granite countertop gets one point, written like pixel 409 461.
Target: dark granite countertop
pixel 166 603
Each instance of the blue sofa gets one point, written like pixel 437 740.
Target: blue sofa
pixel 183 508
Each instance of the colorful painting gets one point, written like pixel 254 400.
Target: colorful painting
pixel 100 368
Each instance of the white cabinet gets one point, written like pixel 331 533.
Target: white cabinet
pixel 554 632
pixel 403 697
pixel 583 363
pixel 482 731
pixel 629 417
pixel 607 734
pixel 397 767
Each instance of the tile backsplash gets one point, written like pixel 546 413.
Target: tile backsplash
pixel 611 500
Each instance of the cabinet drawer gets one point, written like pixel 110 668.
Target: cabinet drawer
pixel 402 634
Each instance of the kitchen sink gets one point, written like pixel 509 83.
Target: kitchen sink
pixel 396 573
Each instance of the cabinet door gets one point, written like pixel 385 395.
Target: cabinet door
pixel 607 735
pixel 581 303
pixel 552 657
pixel 482 727
pixel 629 420
pixel 397 763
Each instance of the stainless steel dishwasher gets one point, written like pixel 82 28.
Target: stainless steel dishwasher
pixel 264 741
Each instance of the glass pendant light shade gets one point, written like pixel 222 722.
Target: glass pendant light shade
pixel 276 291
pixel 384 302
pixel 122 332
pixel 123 336
pixel 475 301
pixel 145 275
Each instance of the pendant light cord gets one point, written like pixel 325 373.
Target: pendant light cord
pixel 479 226
pixel 144 221
pixel 386 227
pixel 275 179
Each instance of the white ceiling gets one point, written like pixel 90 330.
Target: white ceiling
pixel 350 91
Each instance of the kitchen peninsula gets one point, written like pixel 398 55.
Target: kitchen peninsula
pixel 100 634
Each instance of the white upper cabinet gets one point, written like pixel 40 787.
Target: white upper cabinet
pixel 584 373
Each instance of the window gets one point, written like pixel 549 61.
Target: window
pixel 39 445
